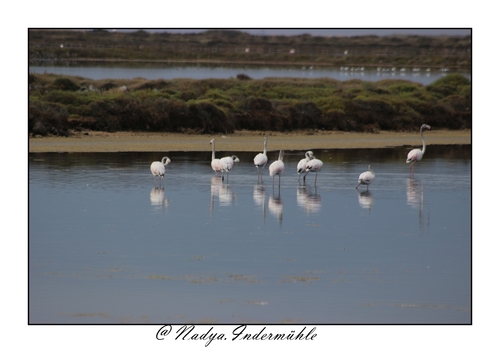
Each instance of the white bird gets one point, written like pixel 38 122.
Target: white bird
pixel 301 166
pixel 277 167
pixel 314 165
pixel 416 154
pixel 158 168
pixel 260 160
pixel 227 163
pixel 366 178
pixel 216 165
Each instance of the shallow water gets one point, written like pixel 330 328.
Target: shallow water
pixel 108 246
pixel 169 72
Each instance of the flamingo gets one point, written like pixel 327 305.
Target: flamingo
pixel 301 166
pixel 277 167
pixel 260 160
pixel 227 163
pixel 158 168
pixel 416 154
pixel 366 178
pixel 314 165
pixel 216 165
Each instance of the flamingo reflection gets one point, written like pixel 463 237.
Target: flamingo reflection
pixel 275 205
pixel 259 198
pixel 309 201
pixel 415 199
pixel 222 191
pixel 157 197
pixel 365 199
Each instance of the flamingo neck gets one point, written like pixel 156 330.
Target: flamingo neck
pixel 265 146
pixel 213 150
pixel 423 140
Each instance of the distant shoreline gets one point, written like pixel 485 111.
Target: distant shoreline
pixel 240 141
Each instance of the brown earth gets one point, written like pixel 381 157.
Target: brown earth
pixel 240 141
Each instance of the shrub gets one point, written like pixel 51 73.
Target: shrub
pixel 243 77
pixel 449 85
pixel 63 97
pixel 53 116
pixel 64 84
pixel 210 118
pixel 401 88
pixel 253 103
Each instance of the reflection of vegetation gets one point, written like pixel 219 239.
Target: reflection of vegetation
pixel 224 105
pixel 235 46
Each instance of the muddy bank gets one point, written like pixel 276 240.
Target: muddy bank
pixel 240 141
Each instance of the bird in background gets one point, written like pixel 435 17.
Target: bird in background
pixel 227 163
pixel 277 167
pixel 260 160
pixel 301 166
pixel 416 154
pixel 158 168
pixel 366 178
pixel 216 164
pixel 314 165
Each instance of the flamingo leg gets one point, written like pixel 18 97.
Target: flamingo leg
pixel 316 178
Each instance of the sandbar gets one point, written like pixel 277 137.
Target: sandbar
pixel 239 141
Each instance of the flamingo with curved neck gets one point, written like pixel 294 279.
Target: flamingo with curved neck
pixel 301 166
pixel 158 168
pixel 366 178
pixel 416 154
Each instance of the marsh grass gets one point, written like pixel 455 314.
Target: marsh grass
pixel 226 105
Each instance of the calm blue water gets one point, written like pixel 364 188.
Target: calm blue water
pixel 108 246
pixel 255 72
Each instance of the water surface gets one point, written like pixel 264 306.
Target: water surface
pixel 420 75
pixel 107 245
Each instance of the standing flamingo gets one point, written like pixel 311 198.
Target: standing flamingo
pixel 301 166
pixel 227 163
pixel 158 168
pixel 216 165
pixel 314 165
pixel 416 154
pixel 260 160
pixel 366 178
pixel 277 167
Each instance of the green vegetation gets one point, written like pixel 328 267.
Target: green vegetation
pixel 61 104
pixel 230 46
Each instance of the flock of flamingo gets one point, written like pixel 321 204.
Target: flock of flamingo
pixel 304 166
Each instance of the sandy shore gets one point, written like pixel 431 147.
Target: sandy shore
pixel 241 141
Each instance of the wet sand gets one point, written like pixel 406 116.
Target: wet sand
pixel 240 141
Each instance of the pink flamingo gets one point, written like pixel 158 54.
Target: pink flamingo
pixel 416 154
pixel 227 163
pixel 260 160
pixel 314 165
pixel 158 168
pixel 277 167
pixel 216 164
pixel 301 166
pixel 366 178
